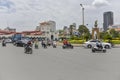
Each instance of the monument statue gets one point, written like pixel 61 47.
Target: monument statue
pixel 96 23
pixel 95 31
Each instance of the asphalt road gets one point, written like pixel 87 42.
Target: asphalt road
pixel 59 64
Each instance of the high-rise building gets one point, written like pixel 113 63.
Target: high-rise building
pixel 107 20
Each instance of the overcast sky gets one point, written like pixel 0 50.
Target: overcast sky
pixel 27 14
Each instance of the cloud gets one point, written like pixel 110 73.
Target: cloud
pixel 7 6
pixel 29 13
pixel 32 12
pixel 100 3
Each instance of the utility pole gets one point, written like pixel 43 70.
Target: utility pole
pixel 82 13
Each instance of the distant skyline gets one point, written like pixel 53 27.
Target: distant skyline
pixel 27 14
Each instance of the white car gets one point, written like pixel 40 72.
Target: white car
pixel 92 43
pixel 8 40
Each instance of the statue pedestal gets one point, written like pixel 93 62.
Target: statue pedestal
pixel 97 36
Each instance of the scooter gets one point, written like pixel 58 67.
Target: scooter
pixel 98 49
pixel 44 45
pixel 3 44
pixel 54 45
pixel 28 49
pixel 68 46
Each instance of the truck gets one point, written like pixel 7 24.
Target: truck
pixel 16 37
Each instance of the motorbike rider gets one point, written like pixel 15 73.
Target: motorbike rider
pixel 69 44
pixel 99 45
pixel 36 43
pixel 44 44
pixel 29 44
pixel 54 43
pixel 65 42
pixel 3 42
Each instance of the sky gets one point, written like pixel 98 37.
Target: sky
pixel 27 14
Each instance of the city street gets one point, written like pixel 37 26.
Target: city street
pixel 58 64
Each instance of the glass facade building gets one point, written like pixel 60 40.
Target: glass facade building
pixel 107 20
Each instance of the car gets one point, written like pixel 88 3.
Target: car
pixel 19 43
pixel 22 42
pixel 8 40
pixel 92 43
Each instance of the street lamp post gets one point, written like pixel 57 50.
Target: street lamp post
pixel 82 13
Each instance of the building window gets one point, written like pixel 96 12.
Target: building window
pixel 47 28
pixel 42 28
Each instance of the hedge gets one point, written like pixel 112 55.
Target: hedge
pixel 76 41
pixel 81 41
pixel 113 41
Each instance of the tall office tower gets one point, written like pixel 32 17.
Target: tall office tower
pixel 107 20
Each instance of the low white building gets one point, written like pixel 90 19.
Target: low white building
pixel 48 29
pixel 10 29
pixel 116 27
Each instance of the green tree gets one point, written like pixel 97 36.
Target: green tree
pixel 71 30
pixel 107 36
pixel 102 34
pixel 114 33
pixel 84 31
pixel 119 36
pixel 61 32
